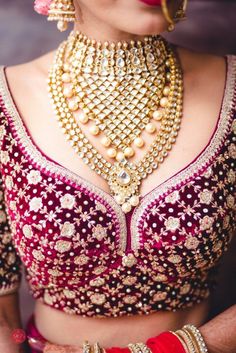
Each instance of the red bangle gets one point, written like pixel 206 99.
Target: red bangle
pixel 117 350
pixel 166 342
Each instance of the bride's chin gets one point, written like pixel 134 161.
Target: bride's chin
pixel 156 25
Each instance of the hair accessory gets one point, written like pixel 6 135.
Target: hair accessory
pixel 42 6
pixel 179 15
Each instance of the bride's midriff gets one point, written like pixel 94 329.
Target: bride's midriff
pixel 60 328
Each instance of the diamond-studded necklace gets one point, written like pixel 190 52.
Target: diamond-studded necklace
pixel 121 89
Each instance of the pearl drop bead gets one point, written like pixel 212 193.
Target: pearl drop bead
pixel 138 142
pixel 157 115
pixel 73 105
pixel 106 141
pixel 119 199
pixel 68 92
pixel 111 152
pixel 126 207
pixel 94 129
pixel 66 77
pixel 62 26
pixel 129 152
pixel 134 200
pixel 66 67
pixel 150 128
pixel 83 118
pixel 163 102
pixel 120 155
pixel 166 91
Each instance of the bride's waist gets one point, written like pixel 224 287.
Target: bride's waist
pixel 60 328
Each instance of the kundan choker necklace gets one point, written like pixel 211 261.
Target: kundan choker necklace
pixel 121 89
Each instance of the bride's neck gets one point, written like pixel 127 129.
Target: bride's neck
pixel 105 33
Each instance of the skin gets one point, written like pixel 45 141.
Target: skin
pixel 116 20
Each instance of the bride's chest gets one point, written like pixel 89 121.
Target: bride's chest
pixel 56 214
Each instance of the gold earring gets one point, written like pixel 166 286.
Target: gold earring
pixel 62 11
pixel 178 16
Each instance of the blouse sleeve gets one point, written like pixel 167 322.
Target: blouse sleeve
pixel 10 263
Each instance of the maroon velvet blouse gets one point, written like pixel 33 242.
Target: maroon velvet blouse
pixel 84 256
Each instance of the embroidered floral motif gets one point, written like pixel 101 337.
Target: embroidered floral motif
pixel 98 299
pixel 159 296
pixel 206 196
pixel 35 204
pixel 172 223
pixel 63 246
pixel 67 201
pixel 191 242
pixel 173 197
pixel 206 222
pixel 68 229
pixel 27 231
pixel 129 260
pixel 34 177
pixel 9 182
pixel 99 232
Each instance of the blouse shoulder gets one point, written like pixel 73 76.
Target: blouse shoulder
pixel 3 89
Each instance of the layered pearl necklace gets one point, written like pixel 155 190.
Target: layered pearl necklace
pixel 122 89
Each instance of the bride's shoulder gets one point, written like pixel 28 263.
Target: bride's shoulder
pixel 208 69
pixel 25 76
pixel 196 61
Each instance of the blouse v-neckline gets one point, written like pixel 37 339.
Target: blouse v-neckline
pixel 37 157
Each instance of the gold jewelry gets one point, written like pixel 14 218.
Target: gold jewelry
pixel 97 348
pixel 139 347
pixel 62 11
pixel 185 336
pixel 87 347
pixel 197 338
pixel 143 70
pixel 181 341
pixel 178 16
pixel 96 81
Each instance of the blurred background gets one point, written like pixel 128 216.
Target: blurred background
pixel 210 27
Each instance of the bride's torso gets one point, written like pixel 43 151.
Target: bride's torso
pixel 203 94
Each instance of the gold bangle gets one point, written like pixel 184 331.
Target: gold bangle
pixel 86 347
pixel 192 338
pixel 181 341
pixel 139 348
pixel 188 341
pixel 96 348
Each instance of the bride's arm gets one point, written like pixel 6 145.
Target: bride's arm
pixel 220 332
pixel 9 321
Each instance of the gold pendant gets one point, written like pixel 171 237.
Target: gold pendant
pixel 124 182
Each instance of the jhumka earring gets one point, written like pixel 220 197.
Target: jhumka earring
pixel 178 16
pixel 62 11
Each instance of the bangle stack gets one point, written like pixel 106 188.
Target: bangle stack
pixel 192 339
pixel 186 340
